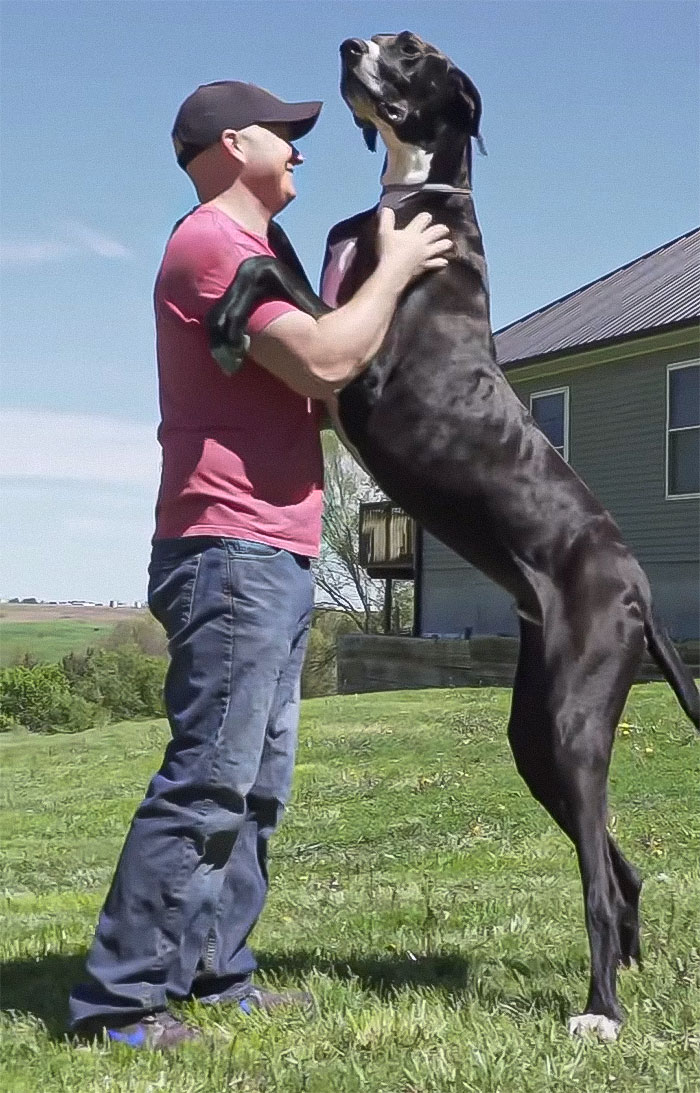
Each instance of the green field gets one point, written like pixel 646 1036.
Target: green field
pixel 48 641
pixel 430 905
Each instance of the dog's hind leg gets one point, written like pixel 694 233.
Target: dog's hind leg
pixel 530 734
pixel 561 742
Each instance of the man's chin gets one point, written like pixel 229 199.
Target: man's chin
pixel 288 195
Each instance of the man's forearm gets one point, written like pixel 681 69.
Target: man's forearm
pixel 348 338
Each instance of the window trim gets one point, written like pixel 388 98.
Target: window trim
pixel 674 368
pixel 557 391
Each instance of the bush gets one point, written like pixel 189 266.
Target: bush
pixel 75 714
pixel 124 681
pixel 319 673
pixel 8 723
pixel 144 632
pixel 29 696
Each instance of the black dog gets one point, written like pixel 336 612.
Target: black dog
pixel 444 435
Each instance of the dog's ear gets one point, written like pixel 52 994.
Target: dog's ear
pixel 370 135
pixel 467 100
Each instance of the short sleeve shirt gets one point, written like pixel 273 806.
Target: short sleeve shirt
pixel 241 453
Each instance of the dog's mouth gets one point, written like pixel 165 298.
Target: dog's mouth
pixel 368 105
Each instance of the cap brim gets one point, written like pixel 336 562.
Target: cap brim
pixel 299 116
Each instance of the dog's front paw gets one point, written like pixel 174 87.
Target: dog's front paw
pixel 585 1024
pixel 229 352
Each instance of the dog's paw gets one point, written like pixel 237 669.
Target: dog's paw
pixel 229 354
pixel 584 1024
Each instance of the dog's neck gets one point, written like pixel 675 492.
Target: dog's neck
pixel 410 167
pixel 406 164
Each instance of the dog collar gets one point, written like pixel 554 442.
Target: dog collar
pixel 406 191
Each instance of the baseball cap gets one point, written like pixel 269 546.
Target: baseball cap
pixel 229 104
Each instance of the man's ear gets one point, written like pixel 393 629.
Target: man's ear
pixel 467 100
pixel 231 142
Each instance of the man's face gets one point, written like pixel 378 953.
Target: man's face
pixel 270 159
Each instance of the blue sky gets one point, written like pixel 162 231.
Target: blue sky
pixel 590 120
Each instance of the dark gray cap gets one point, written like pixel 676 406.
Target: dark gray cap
pixel 229 104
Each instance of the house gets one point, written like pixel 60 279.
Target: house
pixel 611 373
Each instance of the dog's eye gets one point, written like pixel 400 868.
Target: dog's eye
pixel 411 49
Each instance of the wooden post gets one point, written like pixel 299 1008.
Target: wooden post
pixel 387 605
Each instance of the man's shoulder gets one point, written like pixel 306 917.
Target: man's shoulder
pixel 207 231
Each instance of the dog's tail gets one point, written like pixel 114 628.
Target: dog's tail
pixel 677 673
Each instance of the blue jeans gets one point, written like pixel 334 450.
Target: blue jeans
pixel 192 877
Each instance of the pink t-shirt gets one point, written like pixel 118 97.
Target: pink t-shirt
pixel 241 453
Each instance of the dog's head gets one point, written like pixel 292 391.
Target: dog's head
pixel 400 82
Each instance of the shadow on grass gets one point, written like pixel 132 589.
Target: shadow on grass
pixel 508 983
pixel 39 987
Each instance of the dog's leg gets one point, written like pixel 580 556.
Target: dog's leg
pixel 257 279
pixel 565 768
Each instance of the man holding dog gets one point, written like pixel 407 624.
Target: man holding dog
pixel 238 521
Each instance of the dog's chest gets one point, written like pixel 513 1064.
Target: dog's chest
pixel 340 257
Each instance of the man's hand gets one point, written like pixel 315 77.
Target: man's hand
pixel 412 250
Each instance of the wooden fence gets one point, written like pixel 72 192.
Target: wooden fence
pixel 373 662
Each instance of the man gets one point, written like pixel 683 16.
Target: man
pixel 237 521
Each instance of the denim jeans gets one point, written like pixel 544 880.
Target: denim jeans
pixel 191 880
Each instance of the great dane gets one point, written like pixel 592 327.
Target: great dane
pixel 444 435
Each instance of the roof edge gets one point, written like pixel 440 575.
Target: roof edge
pixel 621 342
pixel 596 281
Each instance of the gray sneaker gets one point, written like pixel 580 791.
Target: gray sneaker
pixel 259 998
pixel 154 1032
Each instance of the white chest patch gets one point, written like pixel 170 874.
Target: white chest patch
pixel 407 164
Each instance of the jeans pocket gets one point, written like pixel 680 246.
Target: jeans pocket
pixel 171 590
pixel 248 548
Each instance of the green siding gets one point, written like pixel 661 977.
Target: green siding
pixel 617 443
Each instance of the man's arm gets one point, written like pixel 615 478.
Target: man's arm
pixel 317 357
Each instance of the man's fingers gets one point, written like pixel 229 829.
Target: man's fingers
pixel 442 246
pixel 436 231
pixel 420 221
pixel 435 263
pixel 387 219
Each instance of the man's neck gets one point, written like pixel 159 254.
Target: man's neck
pixel 243 207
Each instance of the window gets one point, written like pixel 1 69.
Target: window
pixel 683 430
pixel 550 410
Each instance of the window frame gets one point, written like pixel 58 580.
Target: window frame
pixel 557 391
pixel 668 430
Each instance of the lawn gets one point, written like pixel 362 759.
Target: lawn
pixel 49 641
pixel 431 906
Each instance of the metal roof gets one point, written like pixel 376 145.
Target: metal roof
pixel 660 289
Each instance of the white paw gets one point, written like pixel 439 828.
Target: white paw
pixel 604 1027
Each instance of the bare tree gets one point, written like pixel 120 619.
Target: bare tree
pixel 338 571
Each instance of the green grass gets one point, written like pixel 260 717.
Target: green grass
pixel 49 641
pixel 431 906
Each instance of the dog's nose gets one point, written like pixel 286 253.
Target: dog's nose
pixel 352 48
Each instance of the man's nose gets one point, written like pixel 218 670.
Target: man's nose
pixel 296 155
pixel 352 48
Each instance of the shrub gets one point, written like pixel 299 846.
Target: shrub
pixel 29 696
pixel 8 723
pixel 145 632
pixel 319 674
pixel 75 714
pixel 122 680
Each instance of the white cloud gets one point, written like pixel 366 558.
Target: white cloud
pixel 97 242
pixel 78 240
pixel 49 445
pixel 30 253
